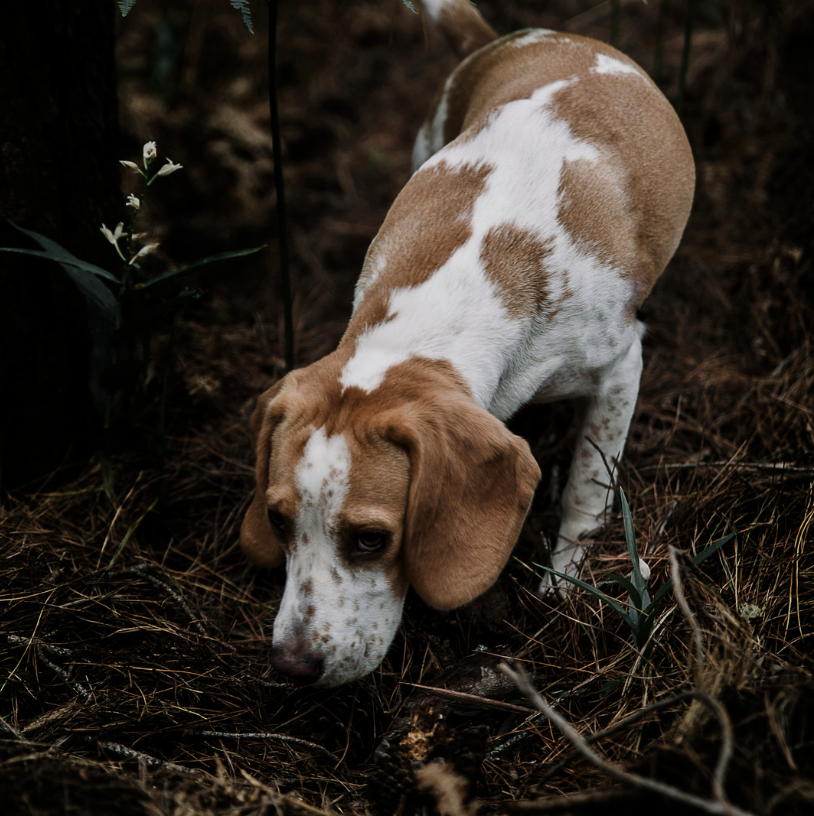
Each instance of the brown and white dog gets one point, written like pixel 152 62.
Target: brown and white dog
pixel 552 184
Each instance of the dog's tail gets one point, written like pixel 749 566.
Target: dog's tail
pixel 461 23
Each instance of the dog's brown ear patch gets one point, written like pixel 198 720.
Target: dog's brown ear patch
pixel 256 538
pixel 471 486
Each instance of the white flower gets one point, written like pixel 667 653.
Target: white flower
pixel 169 167
pixel 114 236
pixel 644 569
pixel 130 166
pixel 145 250
pixel 149 151
pixel 132 201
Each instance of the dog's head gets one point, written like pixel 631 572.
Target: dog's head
pixel 362 494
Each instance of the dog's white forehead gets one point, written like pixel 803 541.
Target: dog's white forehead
pixel 322 477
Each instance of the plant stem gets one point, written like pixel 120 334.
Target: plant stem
pixel 615 21
pixel 658 58
pixel 685 55
pixel 279 186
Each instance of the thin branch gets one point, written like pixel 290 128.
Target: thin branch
pixel 123 752
pixel 473 699
pixel 41 648
pixel 578 741
pixel 780 467
pixel 637 716
pixel 681 600
pixel 264 737
pixel 701 680
pixel 279 187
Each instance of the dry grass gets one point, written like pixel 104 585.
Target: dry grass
pixel 134 636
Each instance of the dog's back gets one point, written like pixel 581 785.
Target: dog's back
pixel 631 215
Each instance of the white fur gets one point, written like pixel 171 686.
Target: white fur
pixel 584 349
pixel 349 616
pixel 507 361
pixel 611 65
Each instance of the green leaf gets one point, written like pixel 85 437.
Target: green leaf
pixel 84 275
pixel 60 254
pixel 597 593
pixel 653 606
pixel 184 270
pixel 696 561
pixel 74 263
pixel 126 6
pixel 410 6
pixel 635 598
pixel 712 548
pixel 130 532
pixel 243 7
pixel 630 538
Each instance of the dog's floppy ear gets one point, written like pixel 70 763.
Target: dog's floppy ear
pixel 471 486
pixel 256 538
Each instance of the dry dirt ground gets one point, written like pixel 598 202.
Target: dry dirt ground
pixel 135 672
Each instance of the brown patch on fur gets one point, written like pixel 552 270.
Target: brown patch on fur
pixel 462 480
pixel 648 153
pixel 506 72
pixel 514 260
pixel 429 220
pixel 630 208
pixel 595 210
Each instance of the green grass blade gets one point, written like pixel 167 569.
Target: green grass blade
pixel 635 598
pixel 85 281
pixel 129 533
pixel 597 593
pixel 185 270
pixel 711 549
pixel 69 261
pixel 58 253
pixel 630 538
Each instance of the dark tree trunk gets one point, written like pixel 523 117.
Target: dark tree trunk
pixel 59 176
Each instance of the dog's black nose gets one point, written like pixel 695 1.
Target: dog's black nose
pixel 297 663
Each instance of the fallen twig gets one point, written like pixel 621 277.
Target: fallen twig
pixel 580 743
pixel 123 752
pixel 473 699
pixel 41 648
pixel 263 736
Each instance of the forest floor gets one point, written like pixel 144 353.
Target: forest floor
pixel 136 676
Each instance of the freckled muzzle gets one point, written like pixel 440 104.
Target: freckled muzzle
pixel 327 641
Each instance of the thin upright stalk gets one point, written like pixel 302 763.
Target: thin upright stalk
pixel 279 186
pixel 658 60
pixel 685 55
pixel 615 22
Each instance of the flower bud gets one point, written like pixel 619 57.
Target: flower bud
pixel 168 168
pixel 145 250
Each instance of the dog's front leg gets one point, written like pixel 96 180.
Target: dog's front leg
pixel 588 494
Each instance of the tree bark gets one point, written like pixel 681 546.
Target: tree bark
pixel 59 176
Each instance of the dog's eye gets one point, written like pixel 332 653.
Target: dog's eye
pixel 277 523
pixel 369 541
